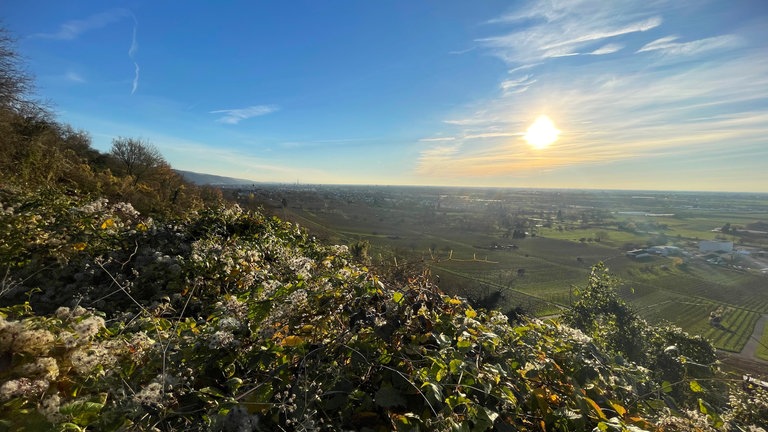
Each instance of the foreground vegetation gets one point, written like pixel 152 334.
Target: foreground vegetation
pixel 125 309
pixel 229 320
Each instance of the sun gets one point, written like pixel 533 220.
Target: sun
pixel 541 133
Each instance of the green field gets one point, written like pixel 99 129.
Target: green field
pixel 468 240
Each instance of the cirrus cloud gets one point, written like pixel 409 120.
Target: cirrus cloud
pixel 236 115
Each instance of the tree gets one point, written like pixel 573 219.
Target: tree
pixel 16 84
pixel 136 157
pixel 601 313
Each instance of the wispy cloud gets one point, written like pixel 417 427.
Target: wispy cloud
pixel 517 85
pixel 74 28
pixel 464 51
pixel 626 100
pixel 668 45
pixel 235 116
pixel 438 139
pixel 74 77
pixel 132 54
pixel 544 30
pixel 607 49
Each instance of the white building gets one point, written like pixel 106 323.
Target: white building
pixel 665 250
pixel 715 246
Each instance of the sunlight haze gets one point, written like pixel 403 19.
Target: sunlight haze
pixel 664 95
pixel 541 133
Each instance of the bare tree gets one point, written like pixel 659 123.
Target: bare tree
pixel 16 84
pixel 136 157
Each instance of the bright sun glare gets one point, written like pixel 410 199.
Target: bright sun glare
pixel 541 133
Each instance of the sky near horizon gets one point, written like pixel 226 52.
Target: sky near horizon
pixel 656 94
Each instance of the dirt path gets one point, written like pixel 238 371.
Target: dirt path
pixel 749 350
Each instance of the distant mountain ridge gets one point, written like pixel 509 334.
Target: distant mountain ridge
pixel 210 179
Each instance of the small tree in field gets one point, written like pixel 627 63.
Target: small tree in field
pixel 137 158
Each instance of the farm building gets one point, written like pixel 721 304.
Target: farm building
pixel 665 250
pixel 715 246
pixel 638 254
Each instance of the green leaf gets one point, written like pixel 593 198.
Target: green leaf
pixel 432 392
pixel 397 296
pixel 455 366
pixel 696 387
pixel 82 412
pixel 703 407
pixel 666 387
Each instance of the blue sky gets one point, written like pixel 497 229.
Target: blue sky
pixel 655 94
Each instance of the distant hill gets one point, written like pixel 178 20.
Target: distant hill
pixel 210 179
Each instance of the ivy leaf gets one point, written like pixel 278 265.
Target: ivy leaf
pixel 696 387
pixel 432 392
pixel 666 387
pixel 292 341
pixel 82 412
pixel 397 296
pixel 455 366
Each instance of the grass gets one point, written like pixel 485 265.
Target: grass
pixel 762 347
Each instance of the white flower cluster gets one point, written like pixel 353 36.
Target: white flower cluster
pixel 151 395
pixel 575 334
pixel 87 359
pixel 339 249
pixel 15 336
pixel 95 207
pixel 297 299
pixel 65 313
pixel 49 407
pixel 268 289
pixel 89 327
pixel 22 387
pixel 126 209
pixel 139 346
pixel 232 307
pixel 229 323
pixel 45 368
pixel 222 339
pixel 233 264
pixel 690 420
pixel 302 266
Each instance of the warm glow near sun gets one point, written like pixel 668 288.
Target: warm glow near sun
pixel 541 133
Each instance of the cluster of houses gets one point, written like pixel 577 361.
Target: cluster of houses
pixel 655 251
pixel 705 247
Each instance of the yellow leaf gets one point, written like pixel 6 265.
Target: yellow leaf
pixel 620 410
pixel 454 301
pixel 79 246
pixel 292 341
pixel 597 408
pixel 470 313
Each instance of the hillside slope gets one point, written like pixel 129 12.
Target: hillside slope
pixel 229 320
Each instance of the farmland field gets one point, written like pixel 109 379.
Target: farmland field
pixel 762 348
pixel 509 248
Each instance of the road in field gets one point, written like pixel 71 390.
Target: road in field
pixel 749 350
